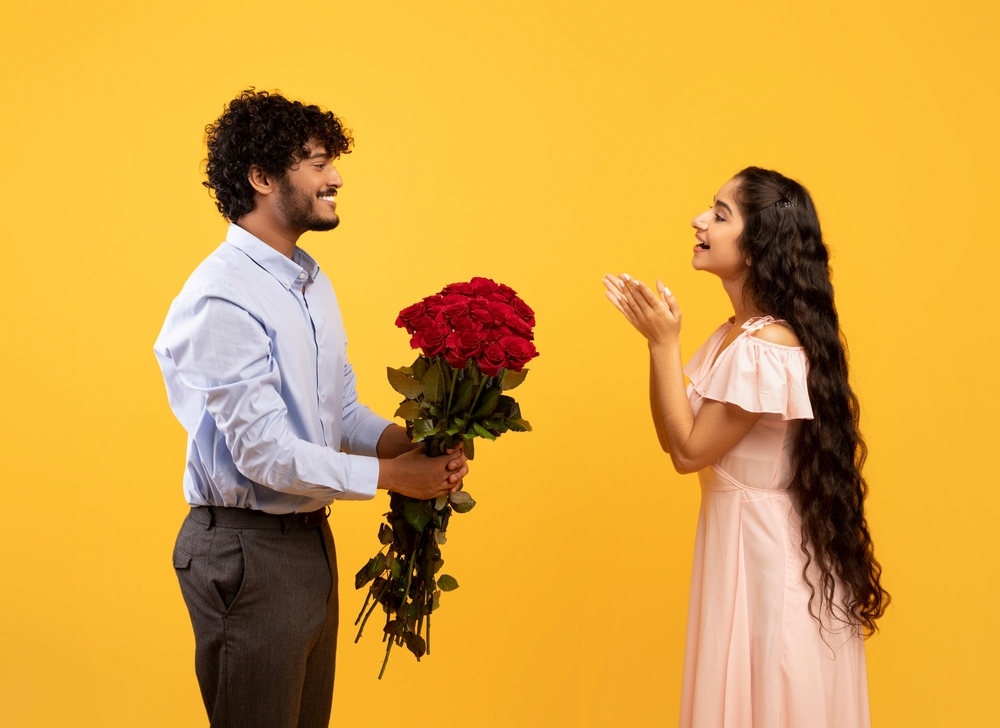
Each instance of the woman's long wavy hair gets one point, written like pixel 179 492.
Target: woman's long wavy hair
pixel 789 278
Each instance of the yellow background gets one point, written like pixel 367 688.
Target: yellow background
pixel 542 144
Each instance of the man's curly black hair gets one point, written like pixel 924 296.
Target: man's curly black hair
pixel 269 131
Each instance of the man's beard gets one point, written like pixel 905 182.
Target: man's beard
pixel 299 209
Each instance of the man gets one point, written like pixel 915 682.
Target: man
pixel 253 354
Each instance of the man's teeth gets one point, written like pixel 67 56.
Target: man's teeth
pixel 328 198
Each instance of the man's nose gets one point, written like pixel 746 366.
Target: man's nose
pixel 335 180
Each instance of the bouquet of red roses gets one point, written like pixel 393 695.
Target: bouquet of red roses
pixel 475 339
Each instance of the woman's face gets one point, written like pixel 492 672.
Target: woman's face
pixel 717 231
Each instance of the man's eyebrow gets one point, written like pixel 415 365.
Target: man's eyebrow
pixel 720 202
pixel 318 155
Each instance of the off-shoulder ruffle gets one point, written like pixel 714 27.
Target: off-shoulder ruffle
pixel 758 376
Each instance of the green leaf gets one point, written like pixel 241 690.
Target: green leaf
pixel 418 513
pixel 519 425
pixel 435 600
pixel 462 502
pixel 463 396
pixel 384 534
pixel 420 366
pixel 482 432
pixel 415 644
pixel 432 383
pixel 513 379
pixel 422 429
pixel 494 424
pixel 406 386
pixel 395 627
pixel 396 568
pixel 409 410
pixel 440 502
pixel 365 575
pixel 488 403
pixel 470 446
pixel 447 582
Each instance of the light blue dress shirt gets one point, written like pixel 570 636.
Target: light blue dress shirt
pixel 254 356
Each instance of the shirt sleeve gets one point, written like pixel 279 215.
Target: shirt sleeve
pixel 362 427
pixel 760 376
pixel 221 356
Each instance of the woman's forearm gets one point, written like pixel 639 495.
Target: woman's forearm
pixel 654 406
pixel 672 413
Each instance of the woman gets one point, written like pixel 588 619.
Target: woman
pixel 785 584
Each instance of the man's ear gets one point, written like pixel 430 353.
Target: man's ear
pixel 260 180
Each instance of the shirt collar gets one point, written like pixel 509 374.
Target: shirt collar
pixel 286 271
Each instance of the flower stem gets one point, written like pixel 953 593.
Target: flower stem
pixel 375 604
pixel 451 391
pixel 385 660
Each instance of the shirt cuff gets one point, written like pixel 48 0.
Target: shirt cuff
pixel 362 478
pixel 364 435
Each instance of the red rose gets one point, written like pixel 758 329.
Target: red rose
pixel 461 289
pixel 524 311
pixel 479 310
pixel 456 309
pixel 422 323
pixel 520 327
pixel 509 294
pixel 519 351
pixel 462 346
pixel 432 341
pixel 466 323
pixel 492 360
pixel 500 312
pixel 484 286
pixel 433 305
pixel 408 314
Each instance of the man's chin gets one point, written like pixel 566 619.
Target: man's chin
pixel 320 225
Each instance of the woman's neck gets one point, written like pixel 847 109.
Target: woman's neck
pixel 741 311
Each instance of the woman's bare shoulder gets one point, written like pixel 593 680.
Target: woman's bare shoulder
pixel 778 333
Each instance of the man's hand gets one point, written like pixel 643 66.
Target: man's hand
pixel 415 475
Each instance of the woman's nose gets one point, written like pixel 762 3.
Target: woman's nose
pixel 701 222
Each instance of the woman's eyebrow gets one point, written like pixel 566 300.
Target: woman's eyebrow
pixel 720 202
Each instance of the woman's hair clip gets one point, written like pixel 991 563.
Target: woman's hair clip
pixel 785 203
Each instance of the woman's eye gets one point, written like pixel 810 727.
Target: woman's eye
pixel 719 218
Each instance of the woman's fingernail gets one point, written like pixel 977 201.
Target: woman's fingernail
pixel 626 276
pixel 667 291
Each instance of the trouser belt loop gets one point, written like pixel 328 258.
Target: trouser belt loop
pixel 211 519
pixel 284 523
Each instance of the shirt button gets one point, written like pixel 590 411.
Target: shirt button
pixel 302 275
pixel 288 283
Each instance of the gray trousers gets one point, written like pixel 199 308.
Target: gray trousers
pixel 262 593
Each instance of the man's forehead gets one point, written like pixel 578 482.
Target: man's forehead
pixel 317 150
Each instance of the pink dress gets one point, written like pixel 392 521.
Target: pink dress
pixel 755 657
